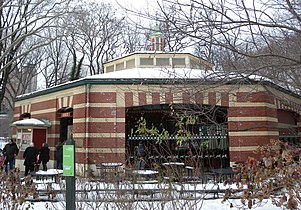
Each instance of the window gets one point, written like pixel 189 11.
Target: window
pixel 157 43
pixel 119 66
pixel 110 69
pixel 146 61
pixel 162 62
pixel 178 62
pixel 24 137
pixel 130 64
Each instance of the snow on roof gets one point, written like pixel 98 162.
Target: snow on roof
pixel 32 122
pixel 141 73
pixel 160 73
pixel 152 73
pixel 173 74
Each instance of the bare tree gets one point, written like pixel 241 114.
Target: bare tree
pixel 94 30
pixel 22 21
pixel 134 38
pixel 146 23
pixel 55 63
pixel 254 37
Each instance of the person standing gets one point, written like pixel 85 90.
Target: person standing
pixel 140 163
pixel 30 157
pixel 44 156
pixel 59 155
pixel 10 151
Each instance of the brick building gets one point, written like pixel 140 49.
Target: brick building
pixel 101 112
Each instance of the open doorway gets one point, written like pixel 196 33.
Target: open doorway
pixel 66 123
pixel 206 146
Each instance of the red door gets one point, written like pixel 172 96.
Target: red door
pixel 39 137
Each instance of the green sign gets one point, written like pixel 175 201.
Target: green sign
pixel 68 160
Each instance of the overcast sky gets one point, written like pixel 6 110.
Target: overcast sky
pixel 140 5
pixel 133 3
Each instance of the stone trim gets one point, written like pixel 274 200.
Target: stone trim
pixel 253 133
pixel 243 149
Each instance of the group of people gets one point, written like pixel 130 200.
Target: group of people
pixel 33 157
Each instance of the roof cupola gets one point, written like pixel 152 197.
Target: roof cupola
pixel 157 40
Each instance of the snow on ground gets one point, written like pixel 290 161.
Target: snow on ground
pixel 178 203
pixel 207 205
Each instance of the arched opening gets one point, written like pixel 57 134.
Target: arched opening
pixel 205 146
pixel 65 116
pixel 288 126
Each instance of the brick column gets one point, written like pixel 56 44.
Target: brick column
pixel 252 122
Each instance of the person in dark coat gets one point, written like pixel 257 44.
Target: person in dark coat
pixel 10 151
pixel 59 155
pixel 30 157
pixel 140 152
pixel 44 156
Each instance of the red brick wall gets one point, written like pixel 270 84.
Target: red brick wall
pixel 100 97
pixel 212 98
pixel 247 141
pixel 246 134
pixel 252 112
pixel 79 98
pixel 168 98
pixel 129 101
pixel 261 96
pixel 242 156
pixel 252 126
pixel 142 99
pixel 43 105
pixel 199 98
pixel 156 98
pixel 106 142
pixel 109 120
pixel 225 99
